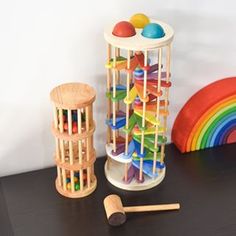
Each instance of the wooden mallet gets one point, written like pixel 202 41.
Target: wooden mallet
pixel 116 212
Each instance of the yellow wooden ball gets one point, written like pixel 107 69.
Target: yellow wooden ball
pixel 139 20
pixel 76 179
pixel 68 186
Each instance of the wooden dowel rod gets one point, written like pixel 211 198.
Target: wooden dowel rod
pixel 91 115
pixel 114 89
pixel 143 115
pixel 162 153
pixel 55 118
pixel 71 156
pixel 126 172
pixel 88 146
pixel 127 105
pixel 108 90
pixel 161 207
pixel 59 176
pixel 144 102
pixel 141 169
pixel 79 122
pixel 118 72
pixel 113 103
pixel 61 123
pixel 157 108
pixel 114 140
pixel 166 94
pixel 118 81
pixel 87 116
pixel 69 120
pixel 168 55
pixel 72 180
pixel 57 149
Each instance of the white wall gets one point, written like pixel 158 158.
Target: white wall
pixel 48 42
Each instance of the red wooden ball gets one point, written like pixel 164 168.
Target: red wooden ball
pixel 74 127
pixel 66 126
pixel 124 29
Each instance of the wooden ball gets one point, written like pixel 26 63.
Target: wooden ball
pixel 65 126
pixel 77 186
pixel 74 127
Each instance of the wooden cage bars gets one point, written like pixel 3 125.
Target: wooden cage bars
pixel 73 129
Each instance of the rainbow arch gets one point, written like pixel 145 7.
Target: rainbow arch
pixel 208 119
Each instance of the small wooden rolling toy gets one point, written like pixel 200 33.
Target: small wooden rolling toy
pixel 115 211
pixel 73 129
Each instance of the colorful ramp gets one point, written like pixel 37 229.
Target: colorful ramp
pixel 208 119
pixel 121 62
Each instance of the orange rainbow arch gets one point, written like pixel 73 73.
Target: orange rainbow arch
pixel 208 119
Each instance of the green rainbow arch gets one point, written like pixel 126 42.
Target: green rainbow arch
pixel 208 130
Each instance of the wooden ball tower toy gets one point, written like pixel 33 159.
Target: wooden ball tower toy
pixel 138 82
pixel 73 129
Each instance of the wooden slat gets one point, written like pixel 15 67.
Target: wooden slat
pixel 69 120
pixel 157 108
pixel 108 90
pixel 144 113
pixel 88 146
pixel 55 118
pixel 127 111
pixel 62 147
pixel 79 122
pixel 166 98
pixel 113 103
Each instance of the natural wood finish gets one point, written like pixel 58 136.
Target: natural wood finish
pixel 72 95
pixel 113 204
pixel 134 48
pixel 80 150
pixel 161 207
pixel 143 116
pixel 158 108
pixel 69 118
pixel 59 176
pixel 78 194
pixel 127 104
pixel 77 166
pixel 126 171
pixel 108 90
pixel 76 152
pixel 62 147
pixel 127 112
pixel 88 146
pixel 55 118
pixel 73 137
pixel 137 42
pixel 115 174
pixel 166 94
pixel 114 207
pixel 113 103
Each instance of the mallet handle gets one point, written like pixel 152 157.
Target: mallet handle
pixel 162 207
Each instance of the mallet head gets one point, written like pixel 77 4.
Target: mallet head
pixel 114 210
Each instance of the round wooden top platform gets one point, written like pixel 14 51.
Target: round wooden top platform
pixel 139 42
pixel 72 95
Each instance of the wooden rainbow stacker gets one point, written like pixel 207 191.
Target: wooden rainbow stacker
pixel 138 82
pixel 73 129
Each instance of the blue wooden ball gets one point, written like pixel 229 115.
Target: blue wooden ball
pixel 153 31
pixel 138 72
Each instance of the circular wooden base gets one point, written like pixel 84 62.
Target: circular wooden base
pixel 77 194
pixel 115 174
